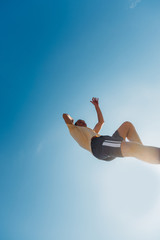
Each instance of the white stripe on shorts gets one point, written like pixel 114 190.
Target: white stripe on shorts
pixel 115 144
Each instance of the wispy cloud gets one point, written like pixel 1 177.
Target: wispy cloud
pixel 133 3
pixel 40 147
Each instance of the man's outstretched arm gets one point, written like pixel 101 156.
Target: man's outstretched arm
pixel 95 102
pixel 67 118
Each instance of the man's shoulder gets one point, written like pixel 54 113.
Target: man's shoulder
pixel 71 126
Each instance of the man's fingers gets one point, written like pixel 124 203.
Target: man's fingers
pixel 94 100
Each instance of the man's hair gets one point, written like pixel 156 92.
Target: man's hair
pixel 76 122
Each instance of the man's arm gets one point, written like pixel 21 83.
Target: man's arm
pixel 67 118
pixel 99 125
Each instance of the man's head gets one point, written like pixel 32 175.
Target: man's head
pixel 81 123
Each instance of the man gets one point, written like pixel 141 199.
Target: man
pixel 109 147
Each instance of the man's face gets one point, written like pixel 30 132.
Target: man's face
pixel 81 123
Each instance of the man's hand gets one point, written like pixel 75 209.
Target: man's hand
pixel 95 101
pixel 68 119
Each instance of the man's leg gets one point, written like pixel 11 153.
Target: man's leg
pixel 139 151
pixel 127 130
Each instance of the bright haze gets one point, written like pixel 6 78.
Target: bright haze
pixel 55 56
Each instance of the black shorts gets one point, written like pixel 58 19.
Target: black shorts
pixel 106 147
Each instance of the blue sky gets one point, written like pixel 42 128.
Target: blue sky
pixel 55 56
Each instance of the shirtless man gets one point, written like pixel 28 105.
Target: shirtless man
pixel 109 147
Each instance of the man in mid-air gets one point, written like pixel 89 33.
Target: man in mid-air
pixel 109 147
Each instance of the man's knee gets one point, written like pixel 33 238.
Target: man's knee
pixel 128 124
